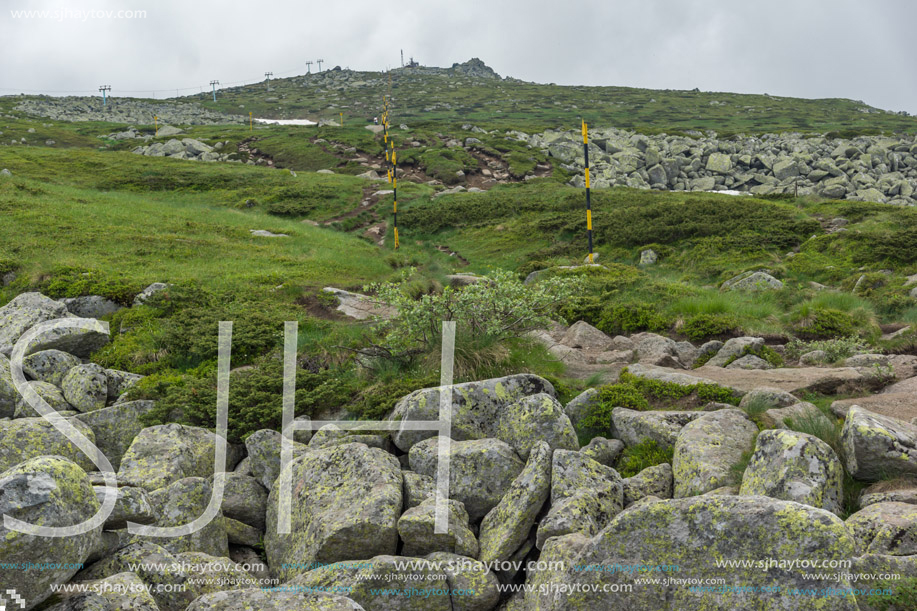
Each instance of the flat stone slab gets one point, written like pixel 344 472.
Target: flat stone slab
pixel 817 379
pixel 902 405
pixel 359 306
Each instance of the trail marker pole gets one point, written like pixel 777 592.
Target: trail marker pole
pixel 214 85
pixel 156 124
pixel 342 119
pixel 588 196
pixel 251 122
pixel 103 89
pixel 395 194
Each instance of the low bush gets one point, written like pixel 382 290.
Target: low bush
pixel 835 349
pixel 645 454
pixel 822 323
pixel 611 396
pixel 705 326
pixel 78 282
pixel 626 318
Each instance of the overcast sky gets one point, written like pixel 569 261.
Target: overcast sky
pixel 863 50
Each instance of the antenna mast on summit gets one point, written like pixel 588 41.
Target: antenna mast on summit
pixel 319 62
pixel 309 66
pixel 402 58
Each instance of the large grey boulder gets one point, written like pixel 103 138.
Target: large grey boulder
pixel 24 312
pixel 86 387
pixel 120 382
pixel 534 419
pixel 412 584
pixel 886 528
pixel 346 501
pixel 477 408
pixel 734 348
pixel 146 294
pixel 49 366
pixel 180 503
pixel 634 427
pixel 582 405
pixel 264 452
pixel 481 471
pixel 8 394
pixel 120 591
pixel 93 306
pixel 116 427
pixel 655 481
pixel 480 585
pixel 27 438
pixel 801 413
pixel 604 451
pixel 689 534
pixel 131 505
pixel 707 448
pixel 752 281
pixel 417 488
pixel 48 491
pixel 49 393
pixel 875 446
pixel 416 527
pixel 653 349
pixel 585 496
pixel 794 466
pixel 244 499
pixel 506 527
pixel 272 600
pixel 583 335
pixel 163 454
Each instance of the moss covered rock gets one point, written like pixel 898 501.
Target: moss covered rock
pixel 582 405
pixel 86 387
pixel 557 556
pixel 477 407
pixel 797 467
pixel 506 527
pixel 692 534
pixel 161 455
pixel 886 528
pixel 875 446
pixel 116 427
pixel 180 503
pixel 346 501
pixel 26 438
pixel 585 496
pixel 51 395
pixel 124 591
pixel 414 584
pixel 264 449
pixel 46 491
pixel 481 587
pixel 707 448
pixel 416 529
pixel 417 488
pixel 49 365
pixel 24 312
pixel 244 499
pixel 534 419
pixel 8 395
pixel 653 481
pixel 271 600
pixel 634 427
pixel 481 471
pixel 131 505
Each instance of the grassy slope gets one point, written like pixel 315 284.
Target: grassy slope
pixel 532 106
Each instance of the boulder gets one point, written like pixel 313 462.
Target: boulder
pixel 412 584
pixel 795 415
pixel 9 396
pixel 749 361
pixel 120 382
pixel 897 405
pixel 752 281
pixel 648 257
pixel 240 533
pixel 604 451
pixel 533 419
pixel 687 534
pixel 264 448
pixel 49 366
pixel 583 335
pixel 93 306
pixel 653 481
pixel 875 446
pixel 506 527
pixel 86 387
pixel 146 294
pixel 122 591
pixel 634 427
pixel 49 393
pixel 244 499
pixel 582 405
pixel 885 528
pixel 479 409
pixel 132 505
pixel 417 489
pixel 481 471
pixel 901 490
pixel 28 438
pixel 163 454
pixel 416 529
pixel 655 349
pixel 271 600
pixel 116 427
pixel 24 312
pixel 48 491
pixel 557 557
pixel 767 398
pixel 480 586
pixel 180 503
pixel 794 466
pixel 719 163
pixel 734 349
pixel 585 496
pixel 707 447
pixel 346 501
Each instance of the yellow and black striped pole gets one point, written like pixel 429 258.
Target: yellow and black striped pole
pixel 588 196
pixel 395 194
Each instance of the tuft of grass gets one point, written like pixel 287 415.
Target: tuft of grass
pixel 645 454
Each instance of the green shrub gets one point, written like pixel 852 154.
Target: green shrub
pixel 79 282
pixel 894 595
pixel 835 349
pixel 705 326
pixel 598 418
pixel 628 318
pixel 377 400
pixel 822 323
pixel 669 391
pixel 645 454
pixel 764 352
